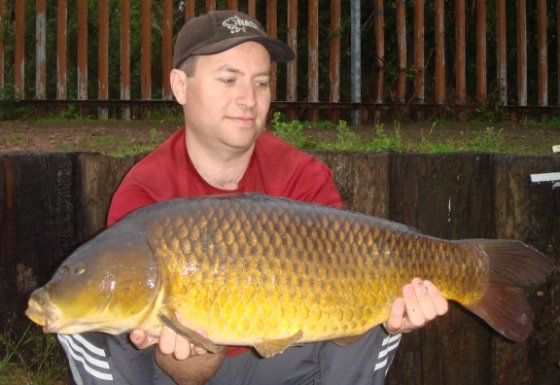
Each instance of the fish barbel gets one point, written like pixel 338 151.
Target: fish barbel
pixel 271 273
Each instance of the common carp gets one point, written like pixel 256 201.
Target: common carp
pixel 271 273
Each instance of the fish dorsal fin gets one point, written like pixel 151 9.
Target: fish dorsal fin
pixel 171 321
pixel 269 348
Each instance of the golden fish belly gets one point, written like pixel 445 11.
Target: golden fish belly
pixel 249 272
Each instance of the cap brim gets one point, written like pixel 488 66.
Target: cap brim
pixel 278 50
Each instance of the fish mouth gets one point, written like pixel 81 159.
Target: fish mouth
pixel 40 312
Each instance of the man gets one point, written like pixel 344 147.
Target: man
pixel 221 77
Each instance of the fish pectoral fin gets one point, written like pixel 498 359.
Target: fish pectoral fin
pixel 345 341
pixel 171 321
pixel 269 348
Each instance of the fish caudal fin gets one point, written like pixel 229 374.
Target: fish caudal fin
pixel 513 266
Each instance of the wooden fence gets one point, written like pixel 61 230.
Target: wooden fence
pixel 50 203
pixel 449 54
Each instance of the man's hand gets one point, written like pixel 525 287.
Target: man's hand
pixel 169 342
pixel 186 363
pixel 421 303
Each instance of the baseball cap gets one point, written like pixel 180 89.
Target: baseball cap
pixel 218 31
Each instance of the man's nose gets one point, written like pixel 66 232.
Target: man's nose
pixel 247 97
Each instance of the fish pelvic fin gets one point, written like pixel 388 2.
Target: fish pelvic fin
pixel 269 348
pixel 171 321
pixel 513 266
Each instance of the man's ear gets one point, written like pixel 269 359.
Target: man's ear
pixel 178 81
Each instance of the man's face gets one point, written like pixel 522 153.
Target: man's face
pixel 228 98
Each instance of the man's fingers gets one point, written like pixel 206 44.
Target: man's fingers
pixel 167 340
pixel 141 339
pixel 397 317
pixel 439 301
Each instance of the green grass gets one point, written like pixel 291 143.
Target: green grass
pixel 489 140
pixel 30 357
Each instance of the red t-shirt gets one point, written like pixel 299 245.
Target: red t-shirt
pixel 276 168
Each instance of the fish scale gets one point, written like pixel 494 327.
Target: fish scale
pixel 270 272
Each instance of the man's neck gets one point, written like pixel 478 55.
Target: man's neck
pixel 220 169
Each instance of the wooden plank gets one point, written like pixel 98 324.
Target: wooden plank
pixel 167 48
pixel 362 180
pixel 313 57
pixel 334 63
pixel 460 53
pixel 402 51
pixel 210 5
pixel 378 25
pixel 481 53
pixel 272 30
pixel 61 49
pixel 82 49
pixel 189 9
pixel 542 25
pixel 448 196
pixel 19 50
pixel 103 57
pixel 146 55
pixel 292 41
pixel 501 54
pixel 125 56
pixel 530 213
pixel 232 4
pixel 1 46
pixel 439 30
pixel 521 52
pixel 252 8
pixel 41 50
pixel 100 176
pixel 419 75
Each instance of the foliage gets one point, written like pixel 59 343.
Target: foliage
pixel 30 357
pixel 291 132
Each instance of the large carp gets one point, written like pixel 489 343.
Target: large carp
pixel 270 273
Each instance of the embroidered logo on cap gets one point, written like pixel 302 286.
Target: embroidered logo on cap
pixel 235 24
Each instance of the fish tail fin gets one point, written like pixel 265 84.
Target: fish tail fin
pixel 513 266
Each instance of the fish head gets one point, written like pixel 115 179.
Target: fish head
pixel 105 285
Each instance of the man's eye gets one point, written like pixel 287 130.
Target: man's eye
pixel 263 84
pixel 227 81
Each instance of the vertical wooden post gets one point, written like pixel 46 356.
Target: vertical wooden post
pixel 402 51
pixel 252 8
pixel 210 5
pixel 167 50
pixel 82 51
pixel 440 52
pixel 125 56
pixel 542 53
pixel 103 56
pixel 378 25
pixel 419 76
pixel 460 66
pixel 41 51
pixel 313 57
pixel 189 9
pixel 522 52
pixel 501 58
pixel 481 87
pixel 61 49
pixel 19 50
pixel 334 72
pixel 271 29
pixel 291 81
pixel 1 49
pixel 146 55
pixel 232 4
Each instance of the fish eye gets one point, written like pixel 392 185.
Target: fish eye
pixel 79 269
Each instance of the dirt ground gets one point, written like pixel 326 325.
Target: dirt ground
pixel 101 136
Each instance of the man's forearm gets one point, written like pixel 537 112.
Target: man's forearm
pixel 195 370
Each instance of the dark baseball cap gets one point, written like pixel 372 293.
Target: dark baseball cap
pixel 218 31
